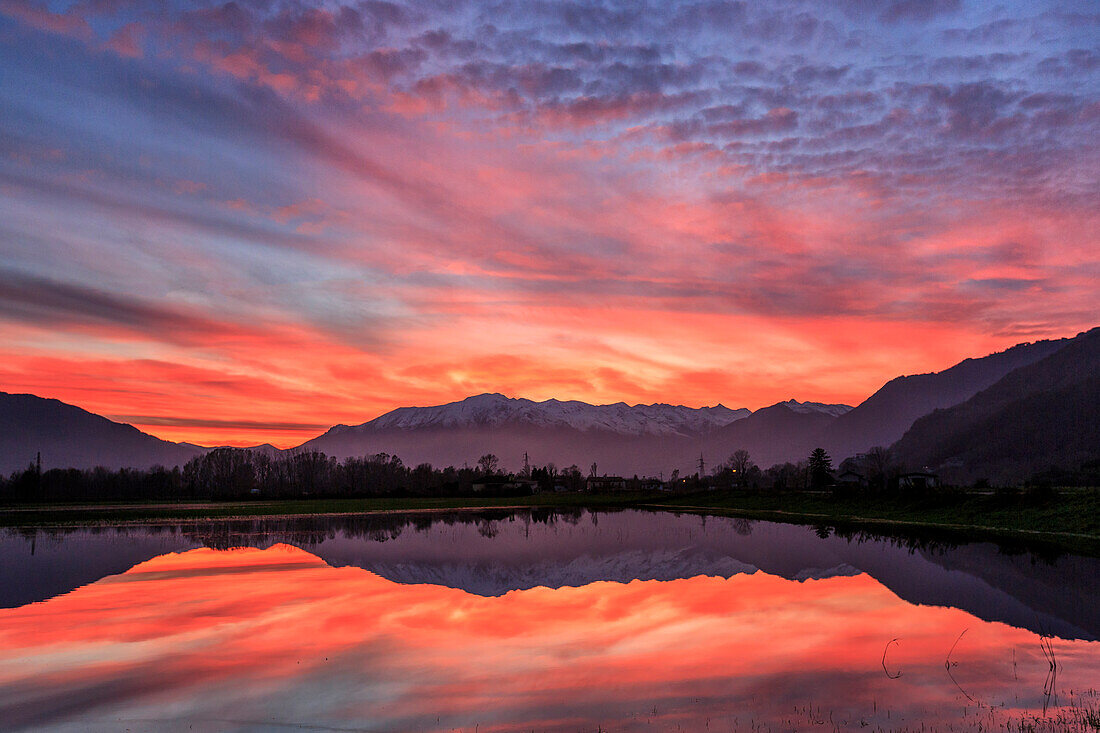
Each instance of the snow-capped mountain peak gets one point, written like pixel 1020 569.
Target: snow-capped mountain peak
pixel 495 410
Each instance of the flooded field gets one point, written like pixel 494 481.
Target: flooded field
pixel 539 620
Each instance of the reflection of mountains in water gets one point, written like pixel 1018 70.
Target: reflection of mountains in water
pixel 491 553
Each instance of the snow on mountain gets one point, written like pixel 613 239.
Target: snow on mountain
pixel 496 579
pixel 808 407
pixel 495 410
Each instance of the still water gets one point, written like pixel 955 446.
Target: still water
pixel 538 620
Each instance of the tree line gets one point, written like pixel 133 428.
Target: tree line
pixel 240 473
pixel 877 470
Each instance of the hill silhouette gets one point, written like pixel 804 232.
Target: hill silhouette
pixel 68 436
pixel 1037 417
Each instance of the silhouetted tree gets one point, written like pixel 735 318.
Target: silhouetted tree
pixel 739 463
pixel 821 468
pixel 573 478
pixel 488 464
pixel 881 468
pixel 786 476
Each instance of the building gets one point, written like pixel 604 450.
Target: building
pixel 917 481
pixel 851 479
pixel 504 485
pixel 603 484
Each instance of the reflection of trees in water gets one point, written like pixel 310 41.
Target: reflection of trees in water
pixel 487 528
pixel 305 531
pixel 313 530
pixel 571 515
pixel 912 541
pixel 225 534
pixel 932 541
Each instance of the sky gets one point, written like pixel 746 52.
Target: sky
pixel 244 222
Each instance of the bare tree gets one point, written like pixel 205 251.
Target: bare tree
pixel 880 463
pixel 573 477
pixel 488 464
pixel 739 462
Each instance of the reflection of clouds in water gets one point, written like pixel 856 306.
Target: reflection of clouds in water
pixel 202 639
pixel 34 704
pixel 547 547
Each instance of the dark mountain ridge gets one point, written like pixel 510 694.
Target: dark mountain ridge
pixel 68 436
pixel 884 417
pixel 1040 416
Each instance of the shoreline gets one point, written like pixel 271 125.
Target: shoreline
pixel 1030 525
pixel 1079 543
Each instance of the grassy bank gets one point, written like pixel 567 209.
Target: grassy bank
pixel 1067 520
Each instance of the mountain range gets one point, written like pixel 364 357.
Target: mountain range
pixel 1001 417
pixel 496 410
pixel 643 439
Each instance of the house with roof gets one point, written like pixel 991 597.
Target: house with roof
pixel 604 484
pixel 851 479
pixel 918 481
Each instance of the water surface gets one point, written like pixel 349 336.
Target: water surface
pixel 537 620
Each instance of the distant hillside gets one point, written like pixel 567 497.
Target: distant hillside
pixel 69 437
pixel 1039 416
pixel 786 431
pixel 884 417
